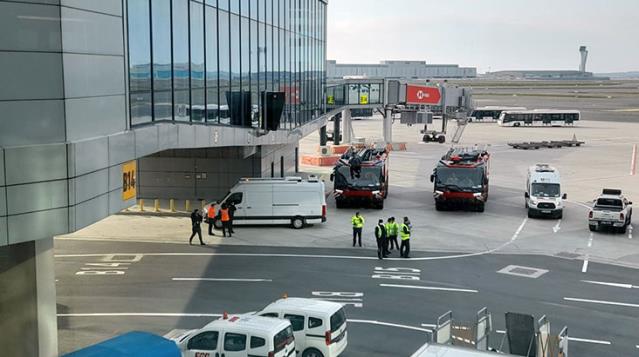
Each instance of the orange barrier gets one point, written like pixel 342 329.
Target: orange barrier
pixel 319 160
pixel 396 147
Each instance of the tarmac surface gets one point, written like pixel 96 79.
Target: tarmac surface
pixel 107 288
pixel 588 281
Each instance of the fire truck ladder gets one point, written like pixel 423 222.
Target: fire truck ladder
pixel 461 125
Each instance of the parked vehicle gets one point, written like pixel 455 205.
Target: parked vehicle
pixel 610 210
pixel 361 177
pixel 543 192
pixel 538 117
pixel 461 179
pixel 134 343
pixel 319 326
pixel 489 113
pixel 289 200
pixel 239 336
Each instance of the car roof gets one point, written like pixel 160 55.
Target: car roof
pixel 431 350
pixel 306 305
pixel 249 322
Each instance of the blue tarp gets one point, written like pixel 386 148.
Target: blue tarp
pixel 132 344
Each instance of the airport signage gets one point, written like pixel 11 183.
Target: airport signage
pixel 129 172
pixel 423 95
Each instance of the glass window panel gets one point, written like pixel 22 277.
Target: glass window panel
pixel 282 9
pixel 139 61
pixel 235 7
pixel 197 62
pixel 223 4
pixel 261 11
pixel 269 12
pixel 212 100
pixel 161 31
pixel 246 67
pixel 253 9
pixel 254 70
pixel 181 100
pixel 235 70
pixel 244 7
pixel 224 65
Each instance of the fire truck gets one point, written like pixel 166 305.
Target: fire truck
pixel 361 177
pixel 461 179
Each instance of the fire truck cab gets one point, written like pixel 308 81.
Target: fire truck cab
pixel 460 179
pixel 361 177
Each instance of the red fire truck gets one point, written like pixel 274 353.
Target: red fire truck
pixel 361 177
pixel 461 179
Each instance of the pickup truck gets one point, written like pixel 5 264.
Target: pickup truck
pixel 610 210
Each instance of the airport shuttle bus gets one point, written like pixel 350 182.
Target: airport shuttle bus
pixel 539 117
pixel 489 113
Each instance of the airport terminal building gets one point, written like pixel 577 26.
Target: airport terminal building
pixel 398 69
pixel 170 98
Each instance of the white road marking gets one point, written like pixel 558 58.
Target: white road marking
pixel 373 322
pixel 602 302
pixel 633 161
pixel 630 228
pixel 616 285
pixel 580 204
pixel 592 235
pixel 600 342
pixel 584 268
pixel 557 226
pixel 429 288
pixel 140 314
pixel 221 279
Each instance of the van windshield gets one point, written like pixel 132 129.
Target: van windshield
pixel 545 190
pixel 338 319
pixel 283 338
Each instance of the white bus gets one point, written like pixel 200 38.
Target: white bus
pixel 489 113
pixel 539 117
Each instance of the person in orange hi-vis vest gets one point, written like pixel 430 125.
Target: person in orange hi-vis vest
pixel 210 214
pixel 225 217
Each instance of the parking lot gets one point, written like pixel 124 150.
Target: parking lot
pixel 458 253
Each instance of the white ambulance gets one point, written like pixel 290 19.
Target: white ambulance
pixel 239 336
pixel 543 192
pixel 288 200
pixel 319 326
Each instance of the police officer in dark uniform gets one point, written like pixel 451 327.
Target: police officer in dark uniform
pixel 196 220
pixel 380 236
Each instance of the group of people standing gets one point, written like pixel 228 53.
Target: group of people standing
pixel 386 235
pixel 224 214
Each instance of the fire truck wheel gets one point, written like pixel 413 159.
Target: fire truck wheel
pixel 439 206
pixel 481 207
pixel 379 205
pixel 340 204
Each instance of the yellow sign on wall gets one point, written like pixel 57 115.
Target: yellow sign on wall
pixel 331 99
pixel 129 180
pixel 363 99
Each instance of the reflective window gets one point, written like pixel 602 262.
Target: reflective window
pixel 254 70
pixel 181 93
pixel 223 4
pixel 139 61
pixel 253 9
pixel 162 81
pixel 235 101
pixel 244 7
pixel 245 47
pixel 224 65
pixel 197 62
pixel 205 341
pixel 212 100
pixel 234 342
pixel 235 6
pixel 269 11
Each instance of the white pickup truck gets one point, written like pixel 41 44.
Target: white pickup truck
pixel 610 210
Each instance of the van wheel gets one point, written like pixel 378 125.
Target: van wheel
pixel 311 352
pixel 297 222
pixel 560 215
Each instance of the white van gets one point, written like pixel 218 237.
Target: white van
pixel 239 336
pixel 543 192
pixel 319 326
pixel 289 200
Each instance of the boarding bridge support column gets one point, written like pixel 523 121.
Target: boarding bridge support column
pixel 388 126
pixel 348 128
pixel 27 300
pixel 322 134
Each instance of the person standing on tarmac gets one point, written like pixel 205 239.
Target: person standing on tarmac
pixel 210 214
pixel 358 225
pixel 392 229
pixel 225 218
pixel 380 237
pixel 232 210
pixel 196 219
pixel 404 233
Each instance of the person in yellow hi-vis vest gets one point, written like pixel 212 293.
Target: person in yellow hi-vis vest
pixel 358 225
pixel 404 234
pixel 392 229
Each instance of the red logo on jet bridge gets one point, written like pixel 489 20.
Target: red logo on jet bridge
pixel 422 95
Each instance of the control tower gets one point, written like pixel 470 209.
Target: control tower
pixel 584 57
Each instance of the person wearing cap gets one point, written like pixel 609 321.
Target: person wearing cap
pixel 380 237
pixel 196 220
pixel 404 233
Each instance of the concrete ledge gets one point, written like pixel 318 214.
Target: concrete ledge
pixel 319 160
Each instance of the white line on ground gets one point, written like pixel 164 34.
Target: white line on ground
pixel 221 279
pixel 576 339
pixel 141 314
pixel 557 226
pixel 373 322
pixel 630 228
pixel 590 238
pixel 602 302
pixel 633 162
pixel 584 268
pixel 616 285
pixel 429 288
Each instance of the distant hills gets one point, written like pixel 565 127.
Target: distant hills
pixel 620 75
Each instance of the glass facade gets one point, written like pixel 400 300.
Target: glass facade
pixel 209 61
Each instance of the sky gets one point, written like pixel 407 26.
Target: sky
pixel 490 35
